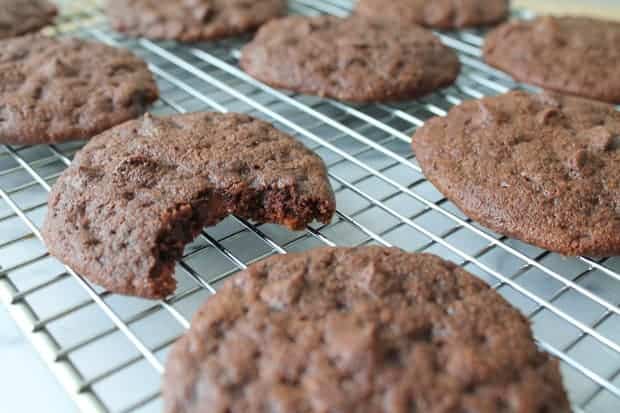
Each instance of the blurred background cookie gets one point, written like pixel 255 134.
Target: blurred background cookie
pixel 441 14
pixel 576 55
pixel 191 20
pixel 58 89
pixel 352 59
pixel 19 17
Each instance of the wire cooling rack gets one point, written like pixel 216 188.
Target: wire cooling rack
pixel 108 351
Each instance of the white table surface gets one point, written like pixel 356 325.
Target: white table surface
pixel 26 385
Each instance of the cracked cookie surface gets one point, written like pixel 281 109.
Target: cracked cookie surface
pixel 59 89
pixel 19 17
pixel 542 168
pixel 135 195
pixel 575 55
pixel 442 14
pixel 191 20
pixel 366 330
pixel 349 59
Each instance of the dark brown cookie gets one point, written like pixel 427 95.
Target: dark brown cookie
pixel 123 211
pixel 541 168
pixel 364 330
pixel 19 17
pixel 59 89
pixel 191 20
pixel 442 14
pixel 575 55
pixel 350 59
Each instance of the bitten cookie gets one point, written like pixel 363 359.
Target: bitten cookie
pixel 349 59
pixel 59 89
pixel 540 168
pixel 442 14
pixel 19 17
pixel 191 20
pixel 575 55
pixel 365 330
pixel 135 195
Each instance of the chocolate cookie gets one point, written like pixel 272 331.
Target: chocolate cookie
pixel 365 330
pixel 123 211
pixel 541 168
pixel 59 89
pixel 350 59
pixel 191 20
pixel 18 17
pixel 442 14
pixel 575 55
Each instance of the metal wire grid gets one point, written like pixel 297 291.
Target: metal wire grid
pixel 108 351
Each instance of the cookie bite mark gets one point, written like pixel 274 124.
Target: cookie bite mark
pixel 134 196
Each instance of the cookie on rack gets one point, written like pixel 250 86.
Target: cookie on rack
pixel 59 89
pixel 351 59
pixel 542 168
pixel 135 195
pixel 441 14
pixel 574 55
pixel 191 20
pixel 18 17
pixel 365 330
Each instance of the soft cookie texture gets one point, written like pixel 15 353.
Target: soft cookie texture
pixel 191 20
pixel 135 195
pixel 350 59
pixel 19 17
pixel 442 14
pixel 540 168
pixel 575 55
pixel 365 330
pixel 59 89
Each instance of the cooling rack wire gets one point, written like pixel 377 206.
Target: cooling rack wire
pixel 108 351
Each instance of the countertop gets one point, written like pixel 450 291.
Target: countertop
pixel 26 385
pixel 609 9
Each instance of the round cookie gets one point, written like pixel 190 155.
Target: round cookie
pixel 191 20
pixel 540 168
pixel 349 59
pixel 365 330
pixel 575 55
pixel 135 195
pixel 59 89
pixel 441 14
pixel 19 17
